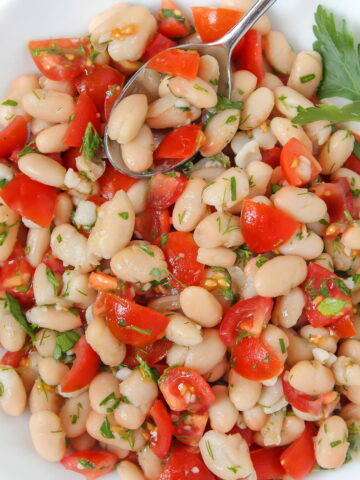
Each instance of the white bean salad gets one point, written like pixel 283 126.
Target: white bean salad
pixel 202 324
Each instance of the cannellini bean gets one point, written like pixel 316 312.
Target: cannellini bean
pixel 37 242
pixel 42 397
pixel 103 385
pixel 271 396
pixel 262 25
pixel 43 169
pixel 299 203
pixel 257 108
pixel 220 131
pixel 209 174
pixel 209 70
pixel 76 288
pixel 45 341
pixel 99 337
pixel 320 337
pixel 248 153
pixel 150 463
pixel 271 81
pixel 48 105
pixel 18 88
pixel 278 52
pixel 227 190
pixel 306 73
pixel 127 118
pixel 176 355
pixel 218 371
pixel 189 208
pixel 219 230
pixel 207 354
pixel 222 413
pixel 271 431
pixel 288 308
pixel 255 418
pixel 284 130
pixel 346 372
pixel 52 371
pixel 137 263
pixel 277 340
pixel 73 415
pixel 83 442
pixel 12 335
pixel 244 83
pixel 165 303
pixel 70 246
pixel 350 412
pixel 352 392
pixel 306 245
pixel 37 126
pixel 170 111
pixel 44 291
pixel 227 456
pixel 138 153
pixel 311 377
pixel 287 100
pixel 164 89
pixel 279 275
pixel 336 151
pixel 341 258
pixel 182 331
pixel 9 227
pixel 114 226
pixel 50 139
pixel 216 257
pixel 13 394
pixel 137 194
pixel 243 393
pixel 102 21
pixel 197 92
pixel 259 174
pixel 299 349
pixel 325 261
pixel 350 348
pixel 63 209
pixel 129 471
pixel 201 306
pixel 353 177
pixel 318 132
pixel 47 435
pixel 292 428
pixel 60 320
pixel 331 443
pixel 64 86
pixel 351 238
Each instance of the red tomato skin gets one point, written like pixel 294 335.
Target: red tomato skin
pixel 104 462
pixel 13 359
pixel 176 62
pixel 267 464
pixel 16 268
pixel 255 361
pixel 249 315
pixel 264 227
pixel 85 113
pixel 213 23
pixel 300 400
pixel 54 263
pixel 344 327
pixel 353 163
pixel 245 433
pixel 336 199
pixel 18 192
pixel 152 353
pixel 189 427
pixel 112 181
pixel 159 43
pixel 121 310
pixel 13 136
pixel 151 224
pixel 185 465
pixel 316 278
pixel 165 190
pixel 170 381
pixel 249 57
pixel 112 94
pixel 288 160
pixel 85 367
pixel 161 442
pixel 181 143
pixel 298 460
pixel 271 156
pixel 170 27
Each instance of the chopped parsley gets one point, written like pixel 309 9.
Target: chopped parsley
pixel 16 312
pixel 52 279
pixel 331 306
pixel 147 250
pixel 86 464
pixel 92 143
pixel 307 78
pixel 168 13
pixel 65 342
pixel 105 429
pixel 10 103
pixel 124 215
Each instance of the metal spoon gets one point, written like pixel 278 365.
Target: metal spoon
pixel 221 50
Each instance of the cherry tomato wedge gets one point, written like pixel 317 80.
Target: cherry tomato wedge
pixel 327 297
pixel 344 327
pixel 185 465
pixel 264 227
pixel 353 163
pixel 189 427
pixel 249 54
pixel 298 460
pixel 85 113
pixel 13 136
pixel 171 20
pixel 60 58
pixel 246 434
pixel 54 263
pixel 176 62
pixel 212 23
pixel 131 323
pixel 271 156
pixel 16 275
pixel 152 353
pixel 112 94
pixel 180 143
pixel 334 196
pixel 248 316
pixel 165 189
pixel 92 464
pixel 255 361
pixel 267 464
pixel 13 359
pixel 298 164
pixel 157 45
pixel 152 224
pixel 112 181
pixel 160 437
pixel 300 400
pixel 184 389
pixel 85 367
pixel 30 199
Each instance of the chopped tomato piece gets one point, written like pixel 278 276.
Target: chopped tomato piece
pixel 298 164
pixel 189 427
pixel 298 460
pixel 246 434
pixel 246 317
pixel 85 113
pixel 353 163
pixel 349 198
pixel 85 367
pixel 171 20
pixel 30 199
pixel 152 354
pixel 92 464
pixel 184 389
pixel 129 322
pixel 180 143
pixel 176 62
pixel 271 156
pixel 69 157
pixel 13 136
pixel 60 58
pixel 152 224
pixel 13 359
pixel 181 252
pixel 157 45
pixel 165 189
pixel 267 464
pixel 249 54
pixel 183 464
pixel 255 361
pixel 161 435
pixel 335 198
pixel 213 23
pixel 16 275
pixel 300 400
pixel 327 297
pixel 264 227
pixel 112 181
pixel 54 263
pixel 96 199
pixel 112 94
pixel 344 327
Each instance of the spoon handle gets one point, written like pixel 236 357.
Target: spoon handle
pixel 231 38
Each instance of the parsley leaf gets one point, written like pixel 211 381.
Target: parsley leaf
pixel 172 14
pixel 17 313
pixel 52 279
pixel 105 429
pixel 86 463
pixel 65 342
pixel 331 306
pixel 348 113
pixel 92 143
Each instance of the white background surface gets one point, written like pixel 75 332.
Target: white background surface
pixel 22 20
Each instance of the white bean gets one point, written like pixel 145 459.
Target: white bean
pixel 52 371
pixel 222 413
pixel 220 131
pixel 271 81
pixel 336 151
pixel 255 418
pixel 351 238
pixel 42 397
pixel 306 245
pixel 18 88
pixel 244 83
pixel 138 153
pixel 12 335
pixel 257 108
pixel 150 463
pixel 320 337
pixel 103 385
pixel 64 86
pixel 137 194
pixel 346 372
pixel 278 52
pixel 262 25
pixel 129 471
pixel 209 70
pixel 201 306
pixel 37 125
pixel 48 105
pixel 277 341
pixel 352 392
pixel 44 291
pixel 299 349
pixel 50 139
pixel 99 337
pixel 43 169
pixel 37 242
pixel 219 230
pixel 182 331
pixel 170 111
pixel 304 206
pixel 284 130
pixel 353 177
pixel 243 393
pixel 197 92
pixel 207 354
pixel 76 289
pixel 228 190
pixel 331 443
pixel 165 303
pixel 350 348
pixel 318 132
pixel 271 431
pixel 325 261
pixel 292 428
pixel 189 208
pixel 311 378
pixel 350 411
pixel 259 174
pixel 9 227
pixel 13 394
pixel 63 209
pixel 216 257
pixel 306 73
pixel 69 246
pixel 45 342
pixel 176 355
pixel 127 118
pixel 49 317
pixel 47 435
pixel 287 101
pixel 288 308
pixel 73 415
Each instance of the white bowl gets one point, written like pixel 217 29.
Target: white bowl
pixel 22 20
